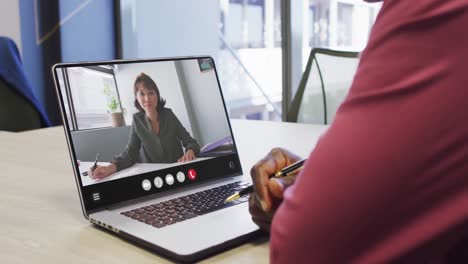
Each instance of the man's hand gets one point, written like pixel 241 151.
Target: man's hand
pixel 269 191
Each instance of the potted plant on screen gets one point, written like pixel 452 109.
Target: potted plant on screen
pixel 116 112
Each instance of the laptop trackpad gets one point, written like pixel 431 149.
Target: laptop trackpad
pixel 189 236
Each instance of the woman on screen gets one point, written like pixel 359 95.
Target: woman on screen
pixel 156 136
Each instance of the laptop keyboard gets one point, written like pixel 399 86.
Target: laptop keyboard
pixel 186 207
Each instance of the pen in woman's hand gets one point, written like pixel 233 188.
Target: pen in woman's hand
pixel 95 163
pixel 288 170
pixel 92 167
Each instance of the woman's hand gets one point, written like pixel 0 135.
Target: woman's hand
pixel 102 171
pixel 188 156
pixel 269 191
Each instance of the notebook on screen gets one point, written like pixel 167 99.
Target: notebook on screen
pixel 153 153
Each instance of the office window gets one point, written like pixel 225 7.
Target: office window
pixel 243 36
pixel 339 24
pixel 250 58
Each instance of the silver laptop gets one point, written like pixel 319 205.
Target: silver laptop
pixel 159 184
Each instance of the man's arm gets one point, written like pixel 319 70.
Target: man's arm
pixel 343 196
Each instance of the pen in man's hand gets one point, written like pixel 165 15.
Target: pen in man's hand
pixel 288 170
pixel 238 195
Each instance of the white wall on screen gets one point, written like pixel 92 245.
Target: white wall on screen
pixel 204 102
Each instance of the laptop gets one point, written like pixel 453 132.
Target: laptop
pixel 154 192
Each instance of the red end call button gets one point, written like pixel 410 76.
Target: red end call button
pixel 192 174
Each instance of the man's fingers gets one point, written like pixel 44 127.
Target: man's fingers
pixel 253 208
pixel 282 158
pixel 264 169
pixel 263 224
pixel 260 174
pixel 260 218
pixel 277 186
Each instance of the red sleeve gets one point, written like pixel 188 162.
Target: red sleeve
pixel 388 180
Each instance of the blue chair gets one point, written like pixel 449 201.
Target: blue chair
pixel 19 108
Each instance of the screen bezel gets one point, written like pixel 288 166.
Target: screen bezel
pixel 85 192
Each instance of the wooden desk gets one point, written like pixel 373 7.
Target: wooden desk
pixel 41 219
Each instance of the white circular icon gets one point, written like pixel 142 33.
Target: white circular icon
pixel 180 176
pixel 146 184
pixel 158 182
pixel 169 179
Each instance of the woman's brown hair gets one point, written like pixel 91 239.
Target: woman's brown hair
pixel 144 79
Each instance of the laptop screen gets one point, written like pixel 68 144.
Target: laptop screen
pixel 138 128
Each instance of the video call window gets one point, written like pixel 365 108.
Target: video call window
pixel 135 118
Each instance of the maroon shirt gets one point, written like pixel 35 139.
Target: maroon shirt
pixel 389 179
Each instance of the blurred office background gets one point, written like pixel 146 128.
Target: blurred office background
pixel 260 47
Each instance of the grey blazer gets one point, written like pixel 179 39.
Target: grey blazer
pixel 147 147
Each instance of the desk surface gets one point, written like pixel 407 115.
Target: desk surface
pixel 41 219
